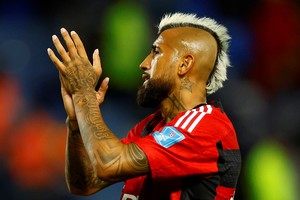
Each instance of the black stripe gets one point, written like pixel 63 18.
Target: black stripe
pixel 229 164
pixel 198 187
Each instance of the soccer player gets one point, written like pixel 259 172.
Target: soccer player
pixel 187 149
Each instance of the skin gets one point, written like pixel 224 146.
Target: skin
pixel 95 157
pixel 187 55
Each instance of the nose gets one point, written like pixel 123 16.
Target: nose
pixel 146 64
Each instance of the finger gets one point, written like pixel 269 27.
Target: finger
pixel 60 49
pixel 79 45
pixel 69 43
pixel 102 90
pixel 97 62
pixel 58 64
pixel 104 85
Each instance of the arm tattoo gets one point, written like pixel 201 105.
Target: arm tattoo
pixel 79 170
pixel 139 161
pixel 95 151
pixel 105 150
pixel 100 130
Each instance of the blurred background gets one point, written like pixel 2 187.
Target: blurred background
pixel 262 95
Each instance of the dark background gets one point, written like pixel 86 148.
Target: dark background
pixel 261 96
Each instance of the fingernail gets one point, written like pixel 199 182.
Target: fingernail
pixel 54 37
pixel 62 30
pixel 73 32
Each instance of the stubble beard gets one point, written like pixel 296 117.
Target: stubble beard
pixel 154 92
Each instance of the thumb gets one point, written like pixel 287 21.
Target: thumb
pixel 104 84
pixel 102 90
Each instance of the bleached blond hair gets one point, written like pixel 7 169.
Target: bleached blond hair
pixel 220 33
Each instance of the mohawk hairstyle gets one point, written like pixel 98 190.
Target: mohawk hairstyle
pixel 218 31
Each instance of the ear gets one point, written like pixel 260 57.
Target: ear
pixel 186 64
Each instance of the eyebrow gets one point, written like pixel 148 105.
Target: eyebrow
pixel 155 47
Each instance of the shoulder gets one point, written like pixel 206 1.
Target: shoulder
pixel 138 129
pixel 206 118
pixel 188 119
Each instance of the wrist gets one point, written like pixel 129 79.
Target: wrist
pixel 72 124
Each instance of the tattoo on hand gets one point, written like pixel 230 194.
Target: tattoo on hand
pixel 81 77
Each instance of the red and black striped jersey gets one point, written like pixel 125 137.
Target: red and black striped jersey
pixel 194 156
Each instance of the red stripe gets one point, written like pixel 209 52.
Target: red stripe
pixel 224 193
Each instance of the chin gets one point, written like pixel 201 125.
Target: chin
pixel 153 92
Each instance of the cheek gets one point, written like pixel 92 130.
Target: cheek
pixel 161 66
pixel 153 69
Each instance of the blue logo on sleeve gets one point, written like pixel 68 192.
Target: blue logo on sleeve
pixel 168 136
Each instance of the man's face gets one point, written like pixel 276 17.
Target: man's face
pixel 158 72
pixel 154 91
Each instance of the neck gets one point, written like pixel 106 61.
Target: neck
pixel 177 103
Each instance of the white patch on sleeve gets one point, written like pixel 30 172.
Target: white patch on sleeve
pixel 168 136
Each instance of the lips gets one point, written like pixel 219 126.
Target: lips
pixel 145 77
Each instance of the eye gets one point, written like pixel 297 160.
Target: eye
pixel 155 50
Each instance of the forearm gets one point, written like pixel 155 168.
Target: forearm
pixel 80 174
pixel 97 137
pixel 113 160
